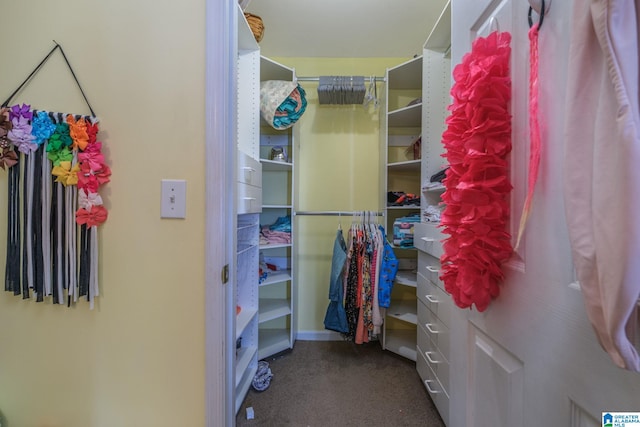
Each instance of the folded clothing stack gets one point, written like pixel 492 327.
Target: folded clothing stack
pixel 276 233
pixel 403 230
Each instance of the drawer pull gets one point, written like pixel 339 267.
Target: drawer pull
pixel 428 239
pixel 433 269
pixel 248 173
pixel 249 198
pixel 430 328
pixel 431 299
pixel 428 354
pixel 432 391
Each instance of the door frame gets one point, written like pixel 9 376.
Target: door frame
pixel 220 136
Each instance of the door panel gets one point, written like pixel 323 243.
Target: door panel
pixel 496 382
pixel 532 355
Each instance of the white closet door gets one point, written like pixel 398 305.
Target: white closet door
pixel 532 355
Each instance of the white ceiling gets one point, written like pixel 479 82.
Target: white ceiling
pixel 345 28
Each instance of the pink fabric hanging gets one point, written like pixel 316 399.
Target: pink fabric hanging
pixel 534 129
pixel 601 173
pixel 477 141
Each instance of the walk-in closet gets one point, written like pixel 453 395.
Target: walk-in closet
pixel 364 165
pixel 329 205
pixel 320 213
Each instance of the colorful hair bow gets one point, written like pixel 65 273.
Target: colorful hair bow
pixel 92 132
pixel 103 175
pixel 88 200
pixel 66 174
pixel 5 122
pixel 92 159
pixel 62 155
pixel 8 158
pixel 93 217
pixel 23 111
pixel 78 132
pixel 60 138
pixel 42 127
pixel 21 136
pixel 88 182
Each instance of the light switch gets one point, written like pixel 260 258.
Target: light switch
pixel 173 198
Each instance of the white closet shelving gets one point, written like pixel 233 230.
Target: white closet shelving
pixel 247 209
pixel 401 126
pixel 277 291
pixel 434 304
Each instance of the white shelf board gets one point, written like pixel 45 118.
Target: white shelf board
pixel 406 117
pixel 407 278
pixel 439 40
pixel 243 359
pixel 277 207
pixel 407 75
pixel 245 248
pixel 275 166
pixel 404 310
pixel 402 342
pixel 407 165
pixel 273 308
pixel 279 245
pixel 440 188
pixel 243 319
pixel 246 39
pixel 245 226
pixel 272 70
pixel 276 277
pixel 272 341
pixel 243 387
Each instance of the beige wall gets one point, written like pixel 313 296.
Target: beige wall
pixel 338 163
pixel 138 358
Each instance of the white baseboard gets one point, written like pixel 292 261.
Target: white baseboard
pixel 319 336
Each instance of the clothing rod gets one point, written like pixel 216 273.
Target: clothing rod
pixel 317 79
pixel 337 213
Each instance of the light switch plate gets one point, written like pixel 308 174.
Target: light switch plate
pixel 173 198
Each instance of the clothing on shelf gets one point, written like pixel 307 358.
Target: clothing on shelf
pixel 403 230
pixel 400 198
pixel 276 233
pixel 432 213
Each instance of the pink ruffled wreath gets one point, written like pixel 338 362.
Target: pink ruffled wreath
pixel 477 141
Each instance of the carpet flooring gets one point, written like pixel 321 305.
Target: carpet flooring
pixel 335 383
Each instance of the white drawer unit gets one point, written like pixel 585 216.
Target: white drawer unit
pixel 249 184
pixel 249 170
pixel 435 359
pixel 429 267
pixel 434 387
pixel 249 199
pixel 436 330
pixel 435 299
pixel 428 238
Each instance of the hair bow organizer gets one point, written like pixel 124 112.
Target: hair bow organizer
pixel 55 168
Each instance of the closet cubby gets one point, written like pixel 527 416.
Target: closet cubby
pixel 434 304
pixel 401 128
pixel 276 293
pixel 243 309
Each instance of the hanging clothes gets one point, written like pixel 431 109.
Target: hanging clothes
pixel 335 318
pixel 362 275
pixel 602 178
